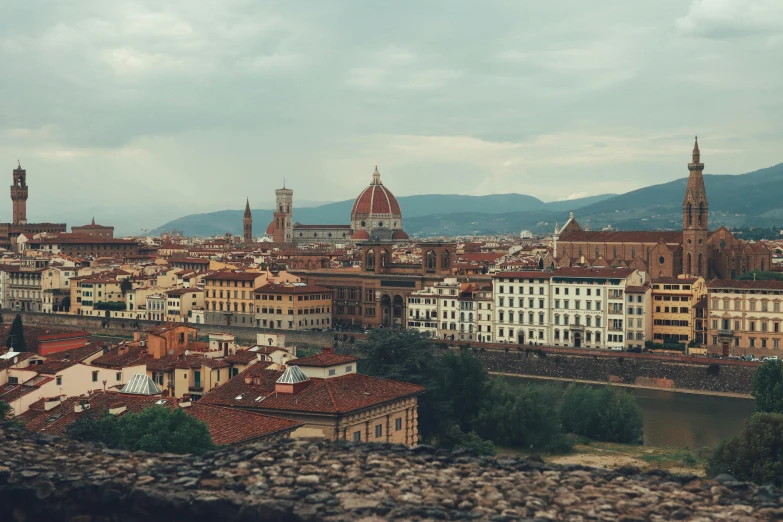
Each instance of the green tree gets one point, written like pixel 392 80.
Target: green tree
pixel 126 286
pixel 761 276
pixel 155 429
pixel 601 413
pixel 768 387
pixel 16 339
pixel 462 382
pixel 522 417
pixel 457 439
pixel 161 430
pixel 409 356
pixel 88 428
pixel 6 412
pixel 755 454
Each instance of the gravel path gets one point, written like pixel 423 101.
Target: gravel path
pixel 43 478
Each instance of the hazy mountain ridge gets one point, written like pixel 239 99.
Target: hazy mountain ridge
pixel 734 200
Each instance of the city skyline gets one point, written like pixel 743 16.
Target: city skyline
pixel 181 111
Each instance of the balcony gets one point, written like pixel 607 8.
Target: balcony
pixel 725 333
pixel 196 387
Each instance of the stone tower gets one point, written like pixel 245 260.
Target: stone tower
pixel 694 219
pixel 247 222
pixel 19 195
pixel 283 219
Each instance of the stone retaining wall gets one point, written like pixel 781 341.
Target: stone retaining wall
pixel 729 379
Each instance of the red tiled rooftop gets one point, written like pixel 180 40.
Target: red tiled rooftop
pixel 329 396
pixel 323 359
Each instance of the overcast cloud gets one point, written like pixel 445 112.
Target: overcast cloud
pixel 139 112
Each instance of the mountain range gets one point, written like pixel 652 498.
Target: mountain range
pixel 751 199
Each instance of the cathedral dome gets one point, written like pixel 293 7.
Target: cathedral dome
pixel 270 230
pixel 375 202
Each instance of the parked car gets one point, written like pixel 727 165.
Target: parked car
pixel 771 358
pixel 634 349
pixel 735 356
pixel 616 348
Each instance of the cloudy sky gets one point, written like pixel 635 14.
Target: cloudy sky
pixel 140 112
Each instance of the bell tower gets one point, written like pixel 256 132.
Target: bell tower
pixel 694 219
pixel 283 218
pixel 19 195
pixel 247 222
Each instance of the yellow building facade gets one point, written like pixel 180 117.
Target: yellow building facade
pixel 674 309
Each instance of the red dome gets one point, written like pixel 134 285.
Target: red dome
pixel 360 235
pixel 270 230
pixel 399 234
pixel 376 199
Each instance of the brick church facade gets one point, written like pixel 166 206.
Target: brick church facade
pixel 693 251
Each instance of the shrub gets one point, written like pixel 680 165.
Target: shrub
pixel 768 387
pixel 754 454
pixel 605 413
pixel 522 417
pixel 713 370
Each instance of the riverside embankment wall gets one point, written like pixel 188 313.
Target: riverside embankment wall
pixel 656 371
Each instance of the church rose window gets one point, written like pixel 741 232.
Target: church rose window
pixel 661 260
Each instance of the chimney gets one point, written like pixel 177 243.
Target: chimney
pixel 137 336
pixel 248 379
pixel 116 408
pixel 328 349
pixel 52 402
pixel 185 401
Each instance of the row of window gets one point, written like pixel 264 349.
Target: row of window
pixel 752 325
pixel 357 435
pixel 723 304
pixel 754 343
pixel 245 284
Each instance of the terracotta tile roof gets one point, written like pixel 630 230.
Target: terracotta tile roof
pixel 530 274
pixel 231 426
pixel 166 327
pixel 241 357
pixel 12 392
pixel 323 359
pixel 77 354
pixel 123 357
pixel 184 362
pixel 675 280
pixel 273 288
pixel 575 271
pixel 745 285
pixel 51 367
pixel 181 291
pixel 342 394
pixel 600 236
pixel 637 289
pixel 225 275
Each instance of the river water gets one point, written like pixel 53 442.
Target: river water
pixel 678 420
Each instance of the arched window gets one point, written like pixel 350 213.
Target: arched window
pixel 470 317
pixel 445 261
pixel 370 259
pixel 690 214
pixel 236 307
pixel 597 253
pixel 462 316
pixel 384 258
pixel 580 251
pixel 688 265
pixel 431 260
pixel 633 252
pixel 701 209
pixel 700 265
pixel 615 253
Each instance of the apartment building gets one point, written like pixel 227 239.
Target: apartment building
pixel 674 308
pixel 293 306
pixel 423 311
pixel 573 306
pixel 639 315
pixel 450 310
pixel 744 317
pixel 181 301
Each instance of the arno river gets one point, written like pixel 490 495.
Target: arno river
pixel 673 419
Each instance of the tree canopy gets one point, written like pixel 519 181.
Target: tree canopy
pixel 768 387
pixel 16 340
pixel 755 454
pixel 464 404
pixel 601 413
pixel 156 429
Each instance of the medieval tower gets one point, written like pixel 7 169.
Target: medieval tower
pixel 19 195
pixel 283 218
pixel 247 222
pixel 694 220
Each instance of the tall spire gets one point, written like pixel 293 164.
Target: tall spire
pixel 247 208
pixel 696 153
pixel 93 221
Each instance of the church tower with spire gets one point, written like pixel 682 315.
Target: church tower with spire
pixel 694 219
pixel 283 223
pixel 247 221
pixel 19 195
